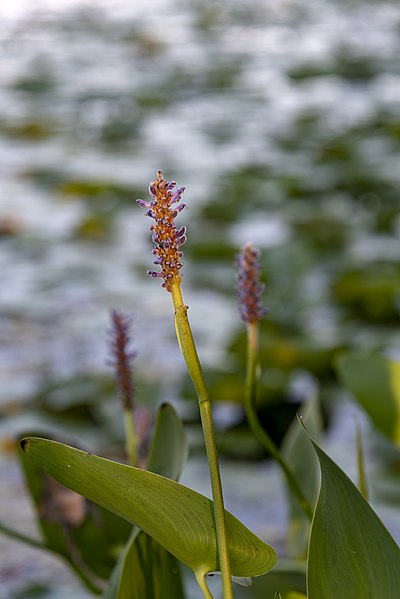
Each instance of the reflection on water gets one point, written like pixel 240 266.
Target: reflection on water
pixel 281 121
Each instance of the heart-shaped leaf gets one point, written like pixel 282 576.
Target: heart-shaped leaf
pixel 375 382
pixel 180 519
pixel 351 554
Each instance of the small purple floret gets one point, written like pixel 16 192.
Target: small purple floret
pixel 143 204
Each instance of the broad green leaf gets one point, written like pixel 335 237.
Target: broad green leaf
pixel 300 456
pixel 351 554
pixel 145 569
pixel 375 382
pixel 71 526
pixel 180 519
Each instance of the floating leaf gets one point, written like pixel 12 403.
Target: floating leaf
pixel 351 554
pixel 180 519
pixel 375 382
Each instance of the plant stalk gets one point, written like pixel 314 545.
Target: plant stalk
pixel 189 352
pixel 252 376
pixel 18 536
pixel 201 581
pixel 131 439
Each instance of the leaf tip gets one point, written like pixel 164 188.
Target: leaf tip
pixel 24 444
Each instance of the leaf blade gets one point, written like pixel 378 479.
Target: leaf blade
pixel 179 518
pixel 351 554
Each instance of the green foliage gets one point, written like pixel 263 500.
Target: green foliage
pixel 178 518
pixel 145 569
pixel 82 533
pixel 301 458
pixel 351 554
pixel 375 382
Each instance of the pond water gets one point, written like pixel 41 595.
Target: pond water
pixel 284 126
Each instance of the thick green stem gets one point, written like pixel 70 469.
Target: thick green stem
pixel 259 432
pixel 201 581
pixel 189 352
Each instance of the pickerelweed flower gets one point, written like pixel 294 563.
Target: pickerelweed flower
pixel 166 237
pixel 249 286
pixel 121 357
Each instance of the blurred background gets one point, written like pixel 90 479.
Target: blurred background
pixel 282 120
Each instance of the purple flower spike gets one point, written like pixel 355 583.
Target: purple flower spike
pixel 249 286
pixel 165 236
pixel 121 356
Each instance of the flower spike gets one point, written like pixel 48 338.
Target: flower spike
pixel 121 357
pixel 249 286
pixel 167 239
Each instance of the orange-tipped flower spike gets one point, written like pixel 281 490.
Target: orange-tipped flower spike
pixel 166 237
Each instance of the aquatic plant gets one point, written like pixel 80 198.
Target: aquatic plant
pixel 350 554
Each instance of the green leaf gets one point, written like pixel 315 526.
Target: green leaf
pixel 145 568
pixel 180 519
pixel 300 456
pixel 375 382
pixel 149 572
pixel 351 554
pixel 169 449
pixel 72 527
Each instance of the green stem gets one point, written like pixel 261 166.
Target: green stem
pixel 131 440
pixel 201 581
pixel 189 352
pixel 18 536
pixel 362 477
pixel 14 534
pixel 259 432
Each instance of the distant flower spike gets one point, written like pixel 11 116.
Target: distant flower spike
pixel 249 286
pixel 166 237
pixel 120 356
